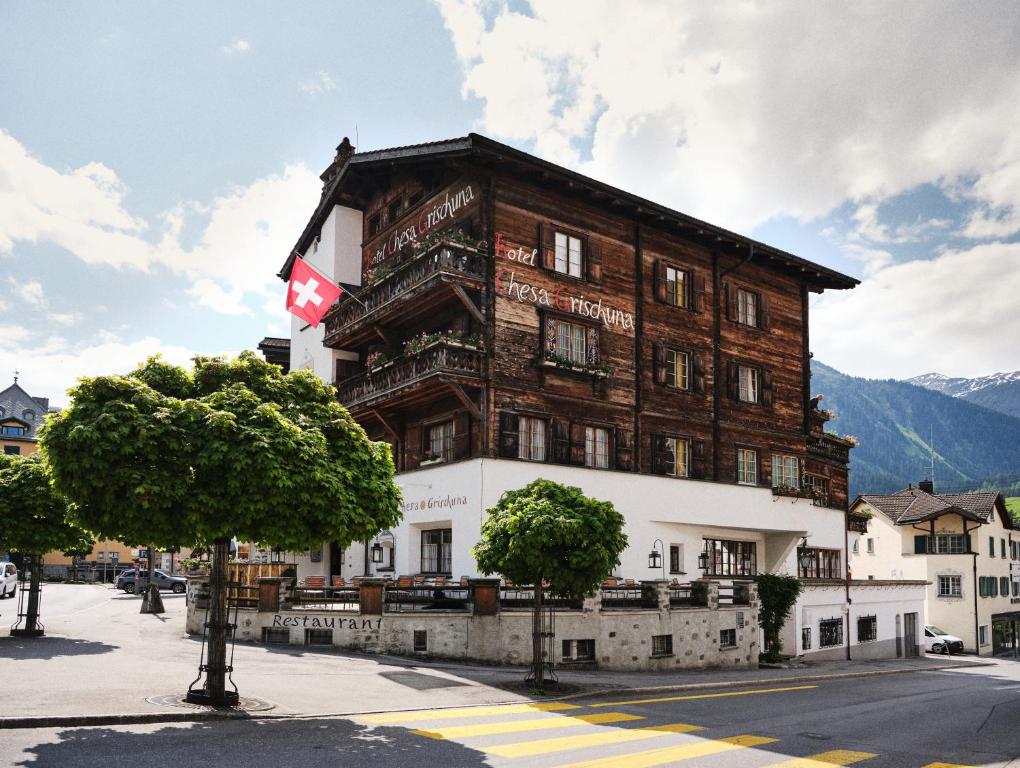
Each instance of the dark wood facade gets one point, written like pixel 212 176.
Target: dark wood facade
pixel 535 300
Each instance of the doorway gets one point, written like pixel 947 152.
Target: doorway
pixel 336 560
pixel 910 647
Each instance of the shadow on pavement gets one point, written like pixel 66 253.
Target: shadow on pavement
pixel 291 743
pixel 50 647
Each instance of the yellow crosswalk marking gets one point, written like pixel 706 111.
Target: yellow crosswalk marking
pixel 418 715
pixel 666 755
pixel 947 765
pixel 825 759
pixel 521 726
pixel 692 697
pixel 585 740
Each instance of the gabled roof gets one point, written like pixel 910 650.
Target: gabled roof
pixel 489 151
pixel 15 402
pixel 273 342
pixel 913 505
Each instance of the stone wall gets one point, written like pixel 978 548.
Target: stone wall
pixel 623 637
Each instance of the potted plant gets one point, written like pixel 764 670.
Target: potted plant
pixel 431 457
pixel 375 361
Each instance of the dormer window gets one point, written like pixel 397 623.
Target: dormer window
pixel 13 430
pixel 29 415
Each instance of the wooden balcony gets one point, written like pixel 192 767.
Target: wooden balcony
pixel 830 447
pixel 439 369
pixel 444 271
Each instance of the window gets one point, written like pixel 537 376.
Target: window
pixel 988 586
pixel 393 210
pixel 436 551
pixel 100 555
pixel 945 543
pixel 677 282
pixel 578 650
pixel 678 369
pixel 747 307
pixel 731 558
pixel 727 638
pixel 1004 586
pixel 440 441
pixel 747 383
pixel 678 450
pixel 570 341
pixel 676 558
pixel 374 225
pixel 950 586
pixel 29 415
pixel 275 635
pixel 785 471
pixel 805 639
pixel 825 563
pixel 871 546
pixel 1002 548
pixel 10 430
pixel 568 255
pixel 747 466
pixel 596 447
pixel 532 439
pixel 318 637
pixel 867 629
pixel 983 634
pixel 12 450
pixel 421 640
pixel 991 546
pixel 662 645
pixel 818 488
pixel 830 633
pixel 857 546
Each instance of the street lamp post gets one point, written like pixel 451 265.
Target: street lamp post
pixel 657 558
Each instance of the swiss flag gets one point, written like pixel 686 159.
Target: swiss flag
pixel 310 293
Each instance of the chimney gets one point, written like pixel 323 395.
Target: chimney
pixel 344 152
pixel 927 486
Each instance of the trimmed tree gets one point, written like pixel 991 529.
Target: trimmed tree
pixel 35 521
pixel 547 531
pixel 777 595
pixel 168 456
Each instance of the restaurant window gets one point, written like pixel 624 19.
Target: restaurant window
pixel 747 307
pixel 568 254
pixel 596 447
pixel 731 558
pixel 950 586
pixel 748 380
pixel 662 645
pixel 825 563
pixel 421 640
pixel 747 466
pixel 440 441
pixel 830 633
pixel 578 650
pixel 678 369
pixel 436 551
pixel 785 471
pixel 531 445
pixel 728 638
pixel 867 629
pixel 677 281
pixel 676 558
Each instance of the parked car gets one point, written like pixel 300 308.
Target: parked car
pixel 8 580
pixel 937 641
pixel 176 584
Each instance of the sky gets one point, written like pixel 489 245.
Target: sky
pixel 159 160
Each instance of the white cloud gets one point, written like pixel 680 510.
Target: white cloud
pixel 740 112
pixel 245 234
pixel 64 318
pixel 240 45
pixel 31 292
pixel 950 314
pixel 318 85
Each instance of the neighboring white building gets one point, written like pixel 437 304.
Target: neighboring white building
pixel 964 545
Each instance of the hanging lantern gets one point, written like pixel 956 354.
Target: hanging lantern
pixel 377 553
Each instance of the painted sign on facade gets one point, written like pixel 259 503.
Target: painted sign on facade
pixel 328 622
pixel 430 216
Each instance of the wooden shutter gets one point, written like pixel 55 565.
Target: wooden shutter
pixel 733 380
pixel 698 300
pixel 461 435
pixel 920 545
pixel 658 455
pixel 697 373
pixel 412 446
pixel 659 362
pixel 624 453
pixel 592 345
pixel 549 335
pixel 509 435
pixel 546 246
pixel 593 261
pixel 763 311
pixel 560 441
pixel 577 443
pixel 731 302
pixel 766 388
pixel 661 294
pixel 698 458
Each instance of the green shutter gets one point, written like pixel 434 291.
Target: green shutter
pixel 920 545
pixel 981 587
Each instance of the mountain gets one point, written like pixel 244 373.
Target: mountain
pixel 1000 391
pixel 893 420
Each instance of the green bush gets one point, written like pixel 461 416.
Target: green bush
pixel 777 595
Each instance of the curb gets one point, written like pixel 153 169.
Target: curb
pixel 143 718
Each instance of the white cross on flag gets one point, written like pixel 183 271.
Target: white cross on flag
pixel 310 293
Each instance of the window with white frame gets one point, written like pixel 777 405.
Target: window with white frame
pixel 568 255
pixel 871 546
pixel 679 448
pixel 857 546
pixel 596 447
pixel 947 544
pixel 440 441
pixel 531 444
pixel 867 629
pixel 983 634
pixel 678 367
pixel 748 383
pixel 747 307
pixel 747 466
pixel 437 551
pixel 570 341
pixel 676 287
pixel 785 471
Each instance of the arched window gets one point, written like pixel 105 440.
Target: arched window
pixel 29 415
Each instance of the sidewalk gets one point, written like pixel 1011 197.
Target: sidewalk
pixel 101 660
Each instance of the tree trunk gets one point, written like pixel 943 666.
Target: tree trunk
pixel 31 627
pixel 537 662
pixel 216 674
pixel 152 602
pixel 74 569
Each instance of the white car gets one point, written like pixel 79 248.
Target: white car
pixel 8 580
pixel 937 641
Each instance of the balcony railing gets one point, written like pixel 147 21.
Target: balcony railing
pixel 443 258
pixel 441 357
pixel 831 447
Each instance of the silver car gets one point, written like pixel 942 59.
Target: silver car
pixel 8 580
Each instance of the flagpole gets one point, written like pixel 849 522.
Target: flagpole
pixel 345 292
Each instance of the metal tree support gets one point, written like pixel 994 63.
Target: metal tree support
pixel 30 614
pixel 546 630
pixel 217 670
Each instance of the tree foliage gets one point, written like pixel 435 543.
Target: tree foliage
pixel 34 519
pixel 167 456
pixel 549 531
pixel 777 595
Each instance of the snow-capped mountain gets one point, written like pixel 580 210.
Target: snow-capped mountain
pixel 999 391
